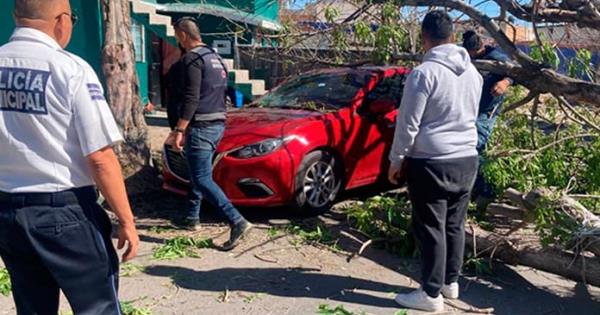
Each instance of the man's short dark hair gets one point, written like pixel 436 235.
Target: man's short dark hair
pixel 32 9
pixel 189 26
pixel 438 25
pixel 471 40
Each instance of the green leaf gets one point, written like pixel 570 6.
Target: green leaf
pixel 5 285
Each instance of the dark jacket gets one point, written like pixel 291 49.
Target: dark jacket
pixel 205 83
pixel 488 101
pixel 175 85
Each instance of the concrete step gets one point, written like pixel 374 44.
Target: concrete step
pixel 240 75
pixel 170 31
pixel 251 88
pixel 158 19
pixel 258 87
pixel 140 7
pixel 229 64
pixel 154 18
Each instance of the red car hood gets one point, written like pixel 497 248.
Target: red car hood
pixel 248 126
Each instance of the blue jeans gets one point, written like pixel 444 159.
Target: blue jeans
pixel 485 126
pixel 200 146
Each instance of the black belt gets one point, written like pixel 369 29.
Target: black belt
pixel 56 199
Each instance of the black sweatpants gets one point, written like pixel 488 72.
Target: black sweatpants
pixel 439 191
pixel 59 241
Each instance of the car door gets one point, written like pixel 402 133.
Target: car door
pixel 372 143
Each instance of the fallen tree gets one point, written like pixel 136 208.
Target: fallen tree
pixel 398 30
pixel 586 232
pixel 515 251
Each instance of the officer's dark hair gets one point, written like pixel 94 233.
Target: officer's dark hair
pixel 31 9
pixel 437 25
pixel 189 26
pixel 471 40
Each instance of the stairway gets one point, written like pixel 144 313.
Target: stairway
pixel 240 78
pixel 161 25
pixel 146 14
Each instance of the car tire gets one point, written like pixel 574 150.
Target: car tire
pixel 318 183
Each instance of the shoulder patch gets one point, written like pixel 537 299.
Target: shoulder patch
pixel 95 92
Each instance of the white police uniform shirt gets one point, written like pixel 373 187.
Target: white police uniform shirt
pixel 52 115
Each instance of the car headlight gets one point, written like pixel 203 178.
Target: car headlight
pixel 258 149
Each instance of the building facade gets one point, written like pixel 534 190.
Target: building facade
pixel 224 24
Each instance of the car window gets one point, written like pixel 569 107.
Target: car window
pixel 390 87
pixel 330 90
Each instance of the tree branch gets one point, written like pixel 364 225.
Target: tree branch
pixel 529 72
pixel 554 143
pixel 532 95
pixel 583 17
pixel 545 81
pixel 574 111
pixel 482 19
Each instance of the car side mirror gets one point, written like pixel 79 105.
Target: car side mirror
pixel 382 106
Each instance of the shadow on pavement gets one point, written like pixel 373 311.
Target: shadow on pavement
pixel 280 282
pixel 507 290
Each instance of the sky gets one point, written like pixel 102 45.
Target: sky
pixel 490 8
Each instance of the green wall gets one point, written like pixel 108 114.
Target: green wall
pixel 87 36
pixel 87 39
pixel 6 21
pixel 143 67
pixel 267 8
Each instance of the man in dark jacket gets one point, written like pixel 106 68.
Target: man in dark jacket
pixel 175 87
pixel 201 126
pixel 492 97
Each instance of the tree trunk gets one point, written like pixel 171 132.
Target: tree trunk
pixel 524 204
pixel 118 65
pixel 513 251
pixel 522 247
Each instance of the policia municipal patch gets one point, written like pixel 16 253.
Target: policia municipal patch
pixel 23 90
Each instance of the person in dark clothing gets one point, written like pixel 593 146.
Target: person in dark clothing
pixel 175 87
pixel 201 126
pixel 492 97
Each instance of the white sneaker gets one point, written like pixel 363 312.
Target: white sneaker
pixel 450 291
pixel 419 300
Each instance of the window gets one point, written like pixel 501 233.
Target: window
pixel 139 41
pixel 390 87
pixel 336 90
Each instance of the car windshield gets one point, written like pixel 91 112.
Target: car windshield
pixel 322 91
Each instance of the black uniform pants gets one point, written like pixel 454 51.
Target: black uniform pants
pixel 59 241
pixel 439 191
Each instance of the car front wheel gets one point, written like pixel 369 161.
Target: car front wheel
pixel 318 183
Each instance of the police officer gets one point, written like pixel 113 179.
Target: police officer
pixel 56 135
pixel 201 125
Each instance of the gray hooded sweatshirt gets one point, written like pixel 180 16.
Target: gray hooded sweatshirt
pixel 436 119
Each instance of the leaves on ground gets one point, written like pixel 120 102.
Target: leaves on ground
pixel 180 247
pixel 325 309
pixel 385 218
pixel 127 308
pixel 129 269
pixel 5 285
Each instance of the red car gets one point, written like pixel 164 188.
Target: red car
pixel 305 141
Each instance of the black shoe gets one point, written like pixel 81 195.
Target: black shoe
pixel 188 224
pixel 238 232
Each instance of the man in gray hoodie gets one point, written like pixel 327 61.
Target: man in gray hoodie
pixel 435 148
